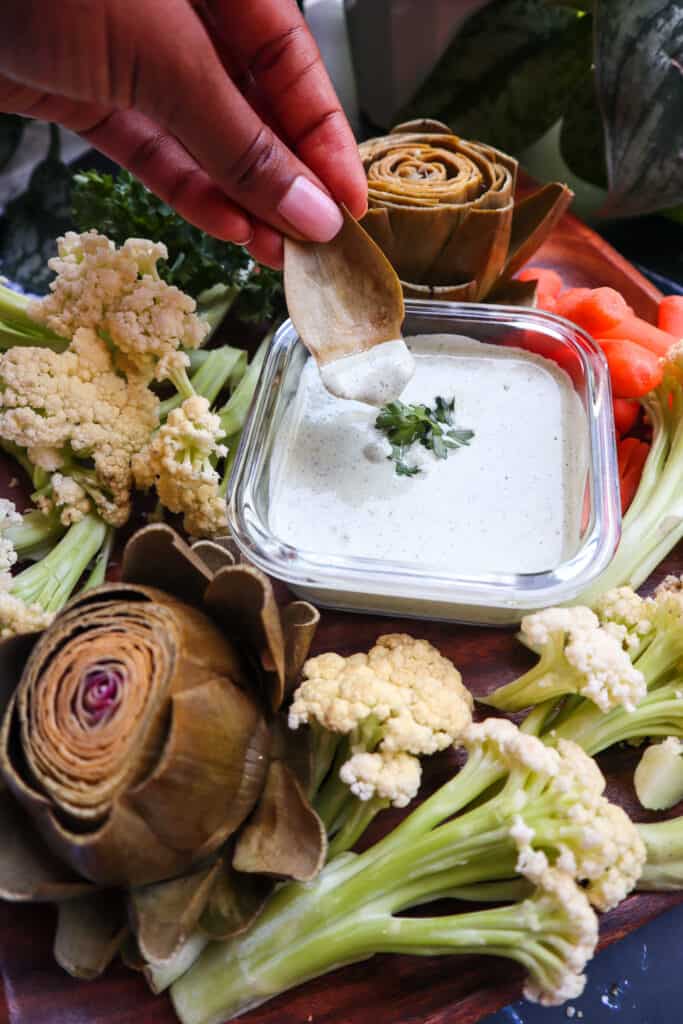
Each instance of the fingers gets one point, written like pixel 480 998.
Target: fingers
pixel 165 167
pixel 280 63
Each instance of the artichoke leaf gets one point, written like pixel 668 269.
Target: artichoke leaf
pixel 514 293
pixel 300 621
pixel 14 652
pixel 215 555
pixel 157 556
pixel 533 219
pixel 235 901
pixel 241 600
pixel 90 932
pixel 343 296
pixel 165 914
pixel 284 837
pixel 29 871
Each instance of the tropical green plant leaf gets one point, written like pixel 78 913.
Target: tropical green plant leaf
pixel 11 131
pixel 639 62
pixel 533 96
pixel 486 51
pixel 581 136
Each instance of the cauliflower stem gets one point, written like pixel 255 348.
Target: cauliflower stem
pixel 50 582
pixel 518 811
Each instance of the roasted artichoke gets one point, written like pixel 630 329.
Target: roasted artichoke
pixel 138 736
pixel 444 212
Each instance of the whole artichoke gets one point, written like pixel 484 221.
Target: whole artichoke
pixel 443 210
pixel 137 738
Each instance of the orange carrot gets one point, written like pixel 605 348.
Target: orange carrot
pixel 600 310
pixel 640 332
pixel 634 370
pixel 670 316
pixel 549 281
pixel 569 301
pixel 631 456
pixel 626 414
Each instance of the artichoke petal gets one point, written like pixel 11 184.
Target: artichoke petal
pixel 533 219
pixel 514 292
pixel 215 555
pixel 165 914
pixel 235 901
pixel 241 600
pixel 29 871
pixel 300 621
pixel 284 837
pixel 90 932
pixel 157 556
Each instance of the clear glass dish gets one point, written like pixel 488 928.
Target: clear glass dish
pixel 395 588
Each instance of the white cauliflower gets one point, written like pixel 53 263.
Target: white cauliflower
pixel 179 462
pixel 74 403
pixel 18 617
pixel 70 498
pixel 577 655
pixel 8 556
pixel 401 700
pixel 119 294
pixel 627 615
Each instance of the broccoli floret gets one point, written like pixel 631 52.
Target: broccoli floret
pixel 518 809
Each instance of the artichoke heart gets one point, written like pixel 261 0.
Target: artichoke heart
pixel 443 210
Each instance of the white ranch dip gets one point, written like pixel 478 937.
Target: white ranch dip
pixel 510 502
pixel 374 377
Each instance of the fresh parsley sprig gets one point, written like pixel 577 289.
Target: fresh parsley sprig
pixel 406 425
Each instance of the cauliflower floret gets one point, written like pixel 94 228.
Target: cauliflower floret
pixel 52 401
pixel 70 498
pixel 8 556
pixel 577 655
pixel 179 462
pixel 627 616
pixel 403 697
pixel 390 776
pixel 17 617
pixel 119 294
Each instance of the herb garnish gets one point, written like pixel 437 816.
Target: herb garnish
pixel 406 425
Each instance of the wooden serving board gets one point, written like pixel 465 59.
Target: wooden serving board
pixel 396 990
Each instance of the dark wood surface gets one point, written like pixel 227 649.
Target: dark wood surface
pixel 397 990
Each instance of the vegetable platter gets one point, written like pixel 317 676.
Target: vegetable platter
pixel 400 989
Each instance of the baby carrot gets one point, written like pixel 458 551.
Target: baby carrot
pixel 670 316
pixel 569 301
pixel 640 332
pixel 548 287
pixel 600 310
pixel 631 456
pixel 634 370
pixel 626 413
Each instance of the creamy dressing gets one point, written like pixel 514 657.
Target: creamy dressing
pixel 374 377
pixel 510 502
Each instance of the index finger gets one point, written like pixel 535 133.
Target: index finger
pixel 271 44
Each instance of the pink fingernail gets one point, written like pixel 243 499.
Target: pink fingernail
pixel 310 211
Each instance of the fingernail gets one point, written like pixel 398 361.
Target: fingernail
pixel 310 211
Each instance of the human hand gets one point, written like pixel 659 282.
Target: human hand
pixel 221 107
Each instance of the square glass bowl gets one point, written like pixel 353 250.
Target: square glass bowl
pixel 394 588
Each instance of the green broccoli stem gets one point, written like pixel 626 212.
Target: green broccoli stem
pixel 234 413
pixel 219 367
pixel 51 581
pixel 35 534
pixel 660 713
pixel 664 844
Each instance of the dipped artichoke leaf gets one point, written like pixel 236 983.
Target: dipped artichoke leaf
pixel 300 621
pixel 343 296
pixel 242 602
pixel 90 932
pixel 284 837
pixel 235 901
pixel 156 556
pixel 29 871
pixel 164 915
pixel 533 219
